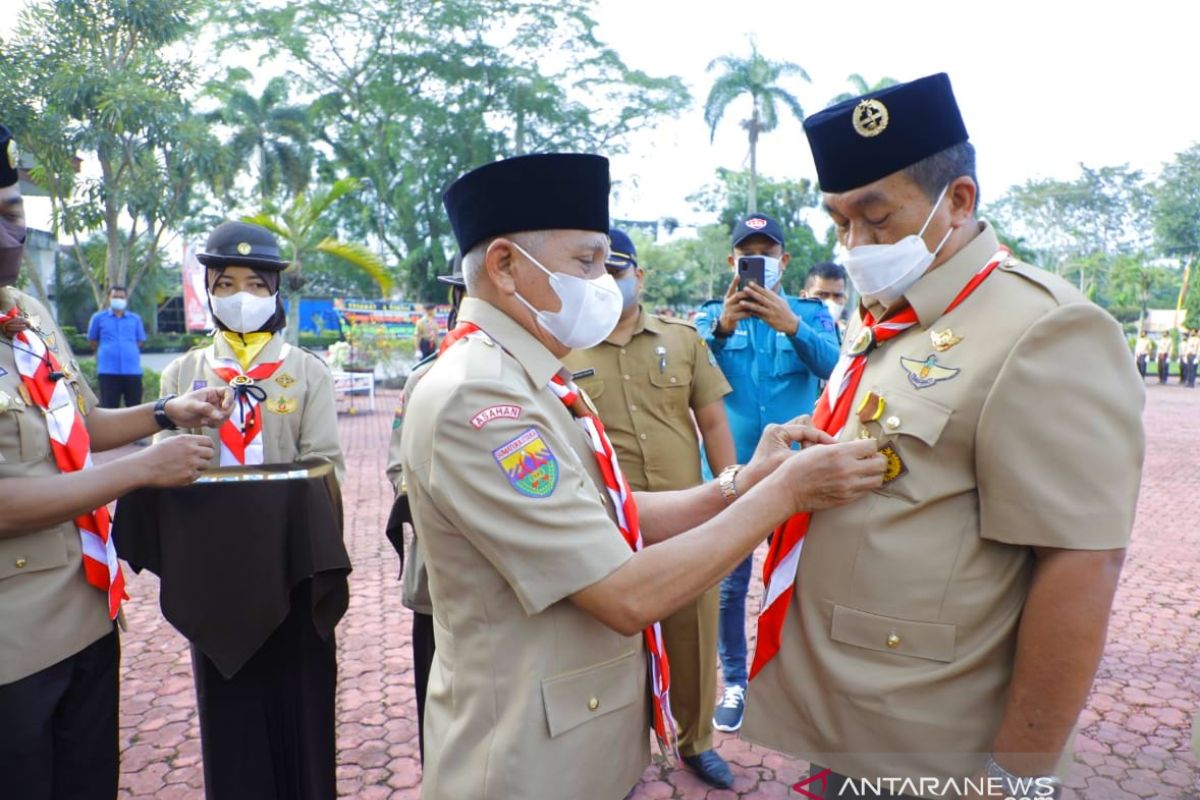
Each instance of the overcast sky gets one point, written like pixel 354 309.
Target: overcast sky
pixel 1042 85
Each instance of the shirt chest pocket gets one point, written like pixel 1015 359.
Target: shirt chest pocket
pixel 23 435
pixel 908 432
pixel 786 360
pixel 672 386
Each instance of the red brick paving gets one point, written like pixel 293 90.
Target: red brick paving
pixel 1136 729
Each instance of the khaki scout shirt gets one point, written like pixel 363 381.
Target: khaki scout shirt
pixel 48 610
pixel 529 696
pixel 644 390
pixel 415 580
pixel 898 647
pixel 301 415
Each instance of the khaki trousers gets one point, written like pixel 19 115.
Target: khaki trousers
pixel 690 635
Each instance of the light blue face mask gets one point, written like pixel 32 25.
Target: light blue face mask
pixel 629 289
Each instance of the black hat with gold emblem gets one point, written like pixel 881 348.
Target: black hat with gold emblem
pixel 870 137
pixel 550 191
pixel 241 244
pixel 8 158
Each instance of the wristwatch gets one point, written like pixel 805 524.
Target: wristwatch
pixel 727 481
pixel 1038 786
pixel 160 413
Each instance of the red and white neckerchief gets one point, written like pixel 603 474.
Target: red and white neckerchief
pixel 830 415
pixel 627 522
pixel 72 449
pixel 241 434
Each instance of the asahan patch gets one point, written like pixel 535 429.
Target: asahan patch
pixel 528 464
pixel 493 413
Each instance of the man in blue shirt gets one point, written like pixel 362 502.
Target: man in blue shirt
pixel 775 351
pixel 117 336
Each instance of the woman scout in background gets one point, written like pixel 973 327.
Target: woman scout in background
pixel 267 732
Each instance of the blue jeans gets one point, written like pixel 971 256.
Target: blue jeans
pixel 731 624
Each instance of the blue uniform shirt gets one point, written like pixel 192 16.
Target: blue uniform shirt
pixel 118 337
pixel 775 377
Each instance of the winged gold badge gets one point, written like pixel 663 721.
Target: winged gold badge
pixel 923 374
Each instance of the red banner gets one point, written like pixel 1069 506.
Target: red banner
pixel 195 296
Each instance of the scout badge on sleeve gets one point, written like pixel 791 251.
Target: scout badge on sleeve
pixel 529 465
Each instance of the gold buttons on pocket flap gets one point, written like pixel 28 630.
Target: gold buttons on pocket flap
pixel 20 563
pixel 892 423
pixel 593 704
pixel 674 379
pixel 893 641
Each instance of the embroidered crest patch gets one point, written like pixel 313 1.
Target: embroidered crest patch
pixel 495 412
pixel 285 380
pixel 923 374
pixel 528 464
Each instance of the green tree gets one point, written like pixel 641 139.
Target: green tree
pixel 410 95
pixel 267 133
pixel 97 79
pixel 788 202
pixel 304 232
pixel 757 77
pixel 1176 198
pixel 859 87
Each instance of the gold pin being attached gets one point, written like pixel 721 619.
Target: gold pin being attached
pixel 242 380
pixel 871 408
pixel 944 340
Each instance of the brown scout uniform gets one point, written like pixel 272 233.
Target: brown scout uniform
pixel 50 610
pixel 530 696
pixel 301 418
pixel 898 647
pixel 645 397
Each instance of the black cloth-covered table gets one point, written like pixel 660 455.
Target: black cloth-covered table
pixel 230 549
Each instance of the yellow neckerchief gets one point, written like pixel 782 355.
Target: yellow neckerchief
pixel 247 346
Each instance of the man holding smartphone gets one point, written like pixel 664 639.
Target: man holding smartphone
pixel 774 350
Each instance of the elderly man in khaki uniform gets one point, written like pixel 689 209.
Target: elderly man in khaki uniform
pixel 547 575
pixel 60 583
pixel 947 626
pixel 647 379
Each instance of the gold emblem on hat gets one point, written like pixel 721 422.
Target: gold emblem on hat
pixel 244 248
pixel 944 340
pixel 870 118
pixel 13 155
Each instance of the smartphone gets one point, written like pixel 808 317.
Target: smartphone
pixel 751 268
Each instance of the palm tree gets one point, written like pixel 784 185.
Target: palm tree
pixel 757 77
pixel 860 86
pixel 267 133
pixel 298 227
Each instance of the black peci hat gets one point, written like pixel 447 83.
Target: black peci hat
pixel 8 158
pixel 870 137
pixel 553 191
pixel 241 244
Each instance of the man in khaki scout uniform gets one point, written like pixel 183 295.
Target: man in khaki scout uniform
pixel 647 379
pixel 59 650
pixel 415 580
pixel 948 625
pixel 541 601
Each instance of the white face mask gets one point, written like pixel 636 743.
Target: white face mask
pixel 117 303
pixel 590 308
pixel 772 272
pixel 835 309
pixel 243 312
pixel 882 273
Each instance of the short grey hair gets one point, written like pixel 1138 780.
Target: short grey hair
pixel 472 263
pixel 934 173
